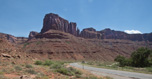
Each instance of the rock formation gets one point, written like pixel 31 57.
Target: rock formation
pixel 52 34
pixel 12 38
pixel 90 33
pixel 55 22
pixel 32 34
pixel 112 34
pixel 72 28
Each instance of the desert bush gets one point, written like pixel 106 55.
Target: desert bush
pixel 75 71
pixel 65 71
pixel 69 71
pixel 18 68
pixel 31 71
pixel 38 63
pixel 29 66
pixel 48 63
pixel 56 66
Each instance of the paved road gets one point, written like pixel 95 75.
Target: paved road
pixel 116 74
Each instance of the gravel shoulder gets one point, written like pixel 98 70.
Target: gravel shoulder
pixel 116 74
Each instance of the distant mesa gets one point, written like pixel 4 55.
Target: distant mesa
pixel 112 34
pixel 90 33
pixel 53 21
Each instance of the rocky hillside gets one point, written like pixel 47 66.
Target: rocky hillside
pixel 12 38
pixel 60 39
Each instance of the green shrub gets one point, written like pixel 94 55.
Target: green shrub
pixel 31 71
pixel 29 66
pixel 122 60
pixel 142 57
pixel 48 63
pixel 38 63
pixel 78 76
pixel 75 71
pixel 18 68
pixel 65 71
pixel 56 66
pixel 69 71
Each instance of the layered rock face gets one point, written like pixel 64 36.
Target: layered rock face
pixel 90 33
pixel 32 34
pixel 148 36
pixel 12 38
pixel 55 22
pixel 53 34
pixel 111 34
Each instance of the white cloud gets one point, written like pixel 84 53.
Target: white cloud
pixel 132 32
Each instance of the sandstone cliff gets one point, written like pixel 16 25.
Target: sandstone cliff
pixel 32 34
pixel 112 34
pixel 12 38
pixel 55 22
pixel 90 33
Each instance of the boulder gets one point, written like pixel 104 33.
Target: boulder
pixel 6 55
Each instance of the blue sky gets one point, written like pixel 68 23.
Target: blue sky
pixel 19 17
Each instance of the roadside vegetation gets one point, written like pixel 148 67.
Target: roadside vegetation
pixel 64 69
pixel 142 57
pixel 47 69
pixel 140 61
